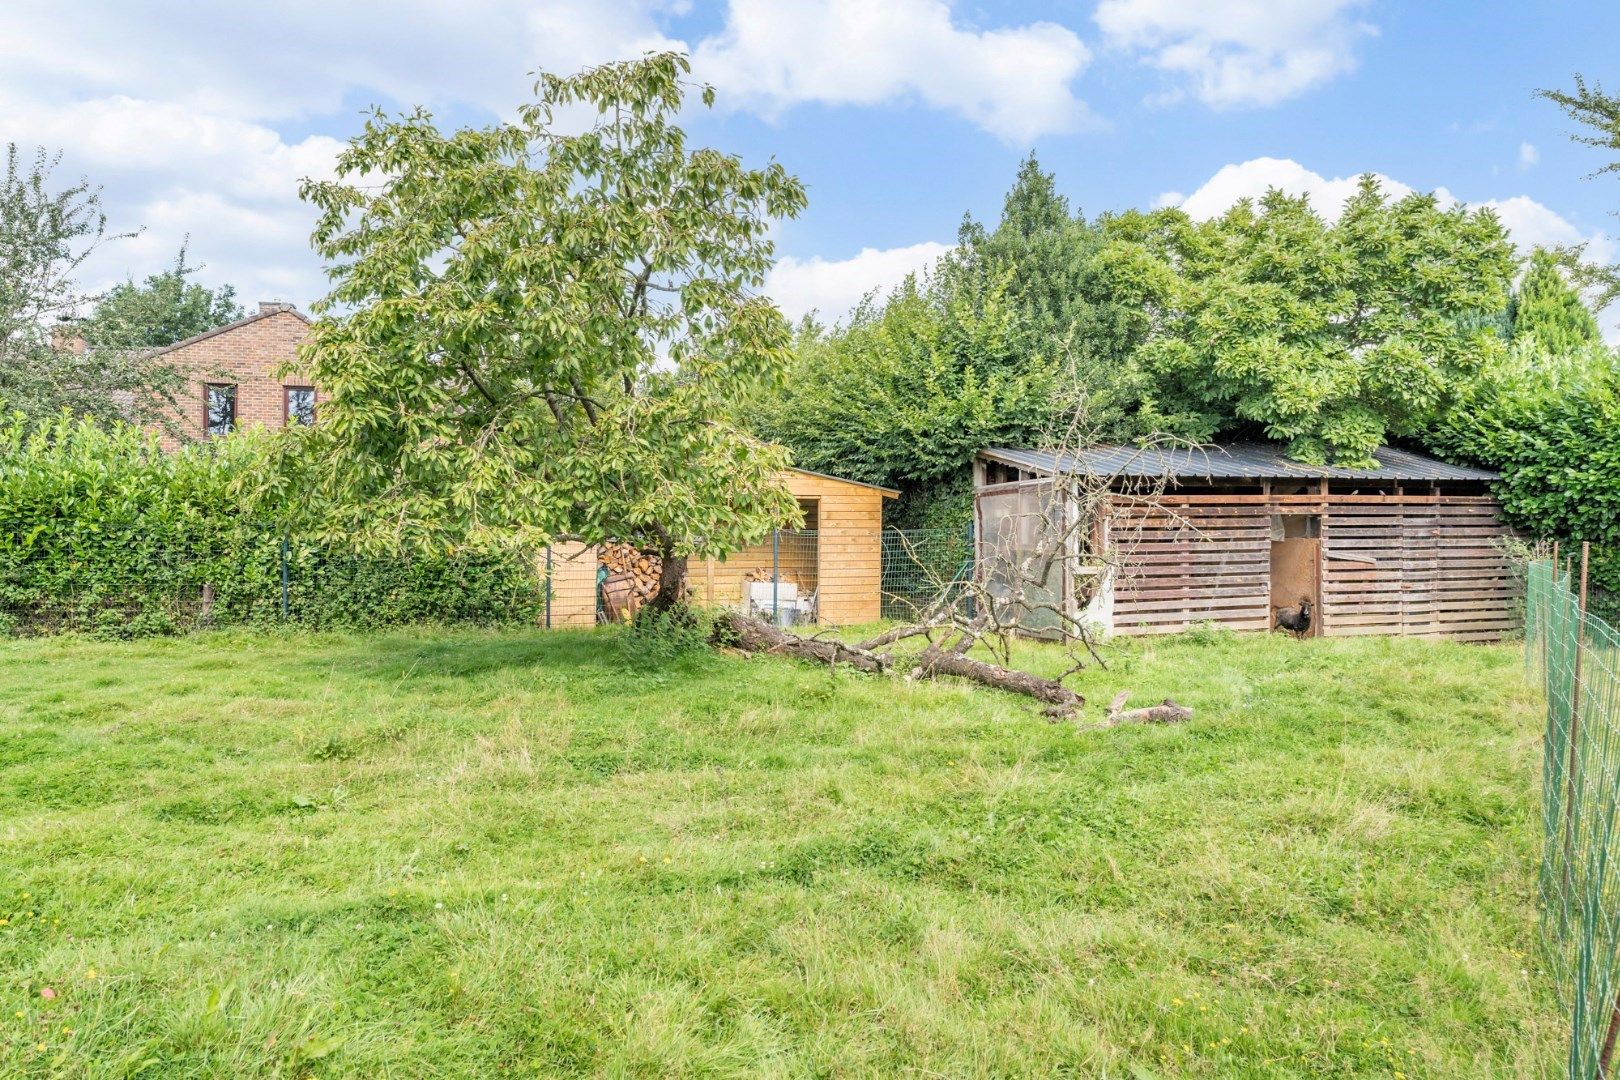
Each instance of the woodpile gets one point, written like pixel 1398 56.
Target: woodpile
pixel 641 568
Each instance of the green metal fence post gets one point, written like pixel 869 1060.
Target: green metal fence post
pixel 776 568
pixel 284 579
pixel 972 568
pixel 548 587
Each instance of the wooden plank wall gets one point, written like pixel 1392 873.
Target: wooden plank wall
pixel 1436 569
pixel 1189 561
pixel 842 561
pixel 849 547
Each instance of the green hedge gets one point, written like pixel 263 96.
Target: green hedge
pixel 1550 424
pixel 101 531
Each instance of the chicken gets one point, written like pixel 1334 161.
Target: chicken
pixel 1297 620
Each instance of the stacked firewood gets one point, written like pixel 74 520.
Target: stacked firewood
pixel 641 567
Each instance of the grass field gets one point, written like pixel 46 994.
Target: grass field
pixel 477 853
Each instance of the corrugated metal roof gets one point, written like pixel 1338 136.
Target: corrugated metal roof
pixel 1232 461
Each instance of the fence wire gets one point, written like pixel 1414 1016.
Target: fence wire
pixel 1574 656
pixel 923 568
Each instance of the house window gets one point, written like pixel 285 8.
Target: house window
pixel 219 408
pixel 300 404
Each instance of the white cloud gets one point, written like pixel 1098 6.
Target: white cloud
pixel 1252 179
pixel 832 287
pixel 1528 155
pixel 1168 198
pixel 1012 82
pixel 203 123
pixel 1239 52
pixel 1529 223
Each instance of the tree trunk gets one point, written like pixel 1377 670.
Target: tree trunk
pixel 671 582
pixel 1061 702
pixel 757 635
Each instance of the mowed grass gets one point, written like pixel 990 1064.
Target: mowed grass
pixel 474 853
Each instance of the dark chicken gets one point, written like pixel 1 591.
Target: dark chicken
pixel 1297 620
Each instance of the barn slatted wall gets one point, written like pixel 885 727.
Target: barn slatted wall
pixel 1423 566
pixel 1191 561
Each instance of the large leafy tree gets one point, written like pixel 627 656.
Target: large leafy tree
pixel 912 387
pixel 46 234
pixel 167 307
pixel 984 349
pixel 1331 337
pixel 537 331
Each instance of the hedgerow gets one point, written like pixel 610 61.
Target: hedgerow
pixel 1550 424
pixel 100 530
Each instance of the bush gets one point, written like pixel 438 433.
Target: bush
pixel 101 531
pixel 1550 424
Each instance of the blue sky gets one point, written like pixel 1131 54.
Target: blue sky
pixel 900 116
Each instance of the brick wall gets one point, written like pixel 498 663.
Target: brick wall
pixel 245 354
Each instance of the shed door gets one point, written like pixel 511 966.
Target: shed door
pixel 1296 566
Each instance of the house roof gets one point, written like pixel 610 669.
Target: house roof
pixel 888 493
pixel 1231 461
pixel 264 312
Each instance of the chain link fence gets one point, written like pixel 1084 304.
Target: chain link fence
pixel 1574 657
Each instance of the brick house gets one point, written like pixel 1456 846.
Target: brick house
pixel 234 381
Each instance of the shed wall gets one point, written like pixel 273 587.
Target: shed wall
pixel 1422 565
pixel 1437 569
pixel 1192 560
pixel 843 563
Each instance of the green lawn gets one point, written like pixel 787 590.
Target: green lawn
pixel 478 853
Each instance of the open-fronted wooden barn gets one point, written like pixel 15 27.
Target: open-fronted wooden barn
pixel 1241 536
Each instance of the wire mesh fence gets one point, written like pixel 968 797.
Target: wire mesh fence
pixel 1574 656
pixel 922 568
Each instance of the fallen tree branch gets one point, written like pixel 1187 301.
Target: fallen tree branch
pixel 1168 712
pixel 1061 702
pixel 757 635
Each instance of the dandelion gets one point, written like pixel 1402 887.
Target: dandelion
pixel 666 860
pixel 90 973
pixel 40 1047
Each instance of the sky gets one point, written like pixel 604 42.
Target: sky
pixel 199 119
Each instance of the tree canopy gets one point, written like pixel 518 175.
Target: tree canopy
pixel 46 234
pixel 167 307
pixel 538 332
pixel 1330 337
pixel 986 347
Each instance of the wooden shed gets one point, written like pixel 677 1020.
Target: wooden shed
pixel 1240 533
pixel 833 563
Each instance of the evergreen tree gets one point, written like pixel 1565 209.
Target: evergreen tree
pixel 1548 312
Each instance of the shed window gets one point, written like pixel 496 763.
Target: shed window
pixel 219 409
pixel 300 403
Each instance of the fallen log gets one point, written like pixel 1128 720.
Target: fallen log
pixel 1061 702
pixel 757 635
pixel 1167 712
